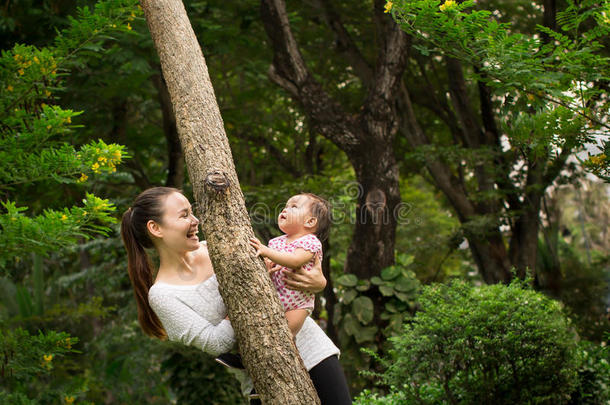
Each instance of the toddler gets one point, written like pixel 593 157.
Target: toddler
pixel 305 222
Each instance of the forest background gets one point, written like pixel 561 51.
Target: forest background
pixel 457 142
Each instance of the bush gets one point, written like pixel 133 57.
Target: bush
pixel 490 344
pixel 195 378
pixel 593 376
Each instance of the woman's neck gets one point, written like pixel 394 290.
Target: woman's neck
pixel 175 265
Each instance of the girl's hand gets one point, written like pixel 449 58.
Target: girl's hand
pixel 312 281
pixel 260 248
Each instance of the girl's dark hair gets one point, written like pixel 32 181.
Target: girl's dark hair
pixel 147 206
pixel 320 209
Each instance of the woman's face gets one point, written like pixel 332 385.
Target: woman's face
pixel 179 227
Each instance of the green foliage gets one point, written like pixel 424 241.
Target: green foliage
pixel 52 229
pixel 354 314
pixel 497 344
pixel 29 360
pixel 367 397
pixel 547 80
pixel 593 375
pixel 35 138
pixel 195 377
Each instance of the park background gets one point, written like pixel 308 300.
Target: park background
pixel 487 163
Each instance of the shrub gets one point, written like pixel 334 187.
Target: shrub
pixel 491 344
pixel 593 376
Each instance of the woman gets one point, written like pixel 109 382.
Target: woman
pixel 184 303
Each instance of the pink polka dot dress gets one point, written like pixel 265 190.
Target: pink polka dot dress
pixel 292 299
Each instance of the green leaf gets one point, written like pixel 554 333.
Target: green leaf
pixel 348 296
pixel 376 280
pixel 351 325
pixel 390 273
pixel 366 334
pixel 403 297
pixel 347 280
pixel 386 291
pixel 405 285
pixel 362 308
pixel 363 285
pixel 404 260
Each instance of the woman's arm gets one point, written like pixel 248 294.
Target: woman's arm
pixel 311 281
pixel 184 325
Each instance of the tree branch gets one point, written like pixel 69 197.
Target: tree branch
pixel 345 44
pixel 290 72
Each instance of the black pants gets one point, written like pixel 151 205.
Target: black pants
pixel 328 378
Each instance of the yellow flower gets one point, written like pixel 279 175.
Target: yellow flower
pixel 47 357
pixel 63 217
pixel 36 59
pixel 17 57
pixel 49 126
pixel 447 5
pixel 388 7
pixel 84 213
pixel 117 154
pixel 69 400
pixel 530 97
pixel 598 159
pixel 69 120
pixel 68 343
pixel 129 26
pixel 95 166
pixel 102 159
pixel 21 72
pixel 9 87
pixel 83 178
pixel 47 93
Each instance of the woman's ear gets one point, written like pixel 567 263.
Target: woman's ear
pixel 154 229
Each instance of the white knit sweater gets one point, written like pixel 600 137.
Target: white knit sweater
pixel 195 315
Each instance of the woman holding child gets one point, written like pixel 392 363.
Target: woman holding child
pixel 181 301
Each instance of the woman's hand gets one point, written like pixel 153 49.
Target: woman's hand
pixel 312 281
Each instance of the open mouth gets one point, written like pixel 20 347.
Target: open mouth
pixel 192 234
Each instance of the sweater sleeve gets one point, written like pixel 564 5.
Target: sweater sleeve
pixel 184 325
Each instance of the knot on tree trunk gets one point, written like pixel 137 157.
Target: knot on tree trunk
pixel 217 180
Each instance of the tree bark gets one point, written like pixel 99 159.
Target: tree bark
pixel 263 337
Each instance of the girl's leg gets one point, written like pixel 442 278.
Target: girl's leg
pixel 329 380
pixel 295 319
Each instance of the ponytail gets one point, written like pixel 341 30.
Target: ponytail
pixel 147 206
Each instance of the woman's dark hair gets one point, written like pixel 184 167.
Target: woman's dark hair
pixel 147 206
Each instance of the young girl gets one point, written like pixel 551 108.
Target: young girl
pixel 305 222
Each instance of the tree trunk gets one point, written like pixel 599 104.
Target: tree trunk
pixel 264 340
pixel 372 245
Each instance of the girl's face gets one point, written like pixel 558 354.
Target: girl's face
pixel 295 214
pixel 179 227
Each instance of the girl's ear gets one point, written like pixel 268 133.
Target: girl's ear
pixel 311 222
pixel 154 229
